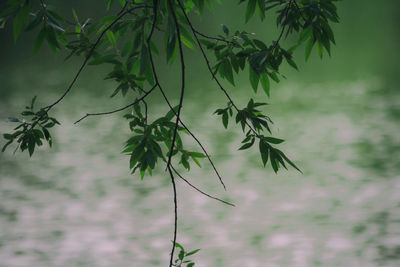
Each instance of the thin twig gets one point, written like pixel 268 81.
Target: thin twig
pixel 155 2
pixel 212 37
pixel 177 116
pixel 176 214
pixel 197 189
pixel 89 55
pixel 119 109
pixel 123 8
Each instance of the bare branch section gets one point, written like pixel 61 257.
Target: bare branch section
pixel 120 109
pixel 176 214
pixel 89 55
pixel 200 191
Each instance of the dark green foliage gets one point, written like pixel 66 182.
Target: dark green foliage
pixel 146 145
pixel 32 129
pixel 124 42
pixel 259 123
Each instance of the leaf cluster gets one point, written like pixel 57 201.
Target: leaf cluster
pixel 255 123
pixel 32 129
pixel 152 142
pixel 182 259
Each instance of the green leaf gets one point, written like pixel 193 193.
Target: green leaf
pixel 6 145
pixel 254 79
pixel 225 29
pixel 170 114
pixel 178 246
pixel 171 40
pixel 13 119
pixel 8 136
pixel 247 145
pixel 274 140
pixel 251 7
pixel 292 63
pixel 226 71
pixel 111 38
pixel 27 113
pixel 31 145
pixel 192 252
pixel 33 102
pixel 127 48
pixel 109 3
pixel 181 255
pixel 197 154
pixel 186 42
pixel 39 40
pixel 191 264
pixel 288 160
pixel 261 8
pixel 225 119
pixel 263 151
pixel 150 159
pixel 265 83
pixel 274 159
pixel 20 19
pixel 320 49
pixel 309 47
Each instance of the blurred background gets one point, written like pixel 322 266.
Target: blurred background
pixel 77 204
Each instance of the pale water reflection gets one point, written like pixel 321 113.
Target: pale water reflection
pixel 77 205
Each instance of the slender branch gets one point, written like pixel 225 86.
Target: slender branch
pixel 119 109
pixel 177 118
pixel 212 37
pixel 200 191
pixel 89 55
pixel 123 8
pixel 155 2
pixel 209 65
pixel 176 215
pixel 181 56
pixel 284 26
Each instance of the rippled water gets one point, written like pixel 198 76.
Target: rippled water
pixel 77 205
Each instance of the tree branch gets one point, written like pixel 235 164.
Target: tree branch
pixel 178 33
pixel 212 37
pixel 176 215
pixel 197 189
pixel 89 55
pixel 155 2
pixel 119 109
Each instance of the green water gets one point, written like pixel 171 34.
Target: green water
pixel 77 205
